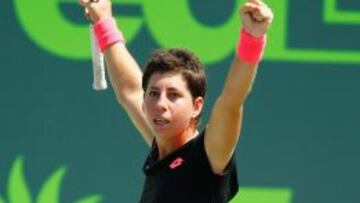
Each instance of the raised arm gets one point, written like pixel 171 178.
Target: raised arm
pixel 224 126
pixel 124 72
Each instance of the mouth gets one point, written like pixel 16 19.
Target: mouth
pixel 160 121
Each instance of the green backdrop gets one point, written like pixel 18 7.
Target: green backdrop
pixel 60 141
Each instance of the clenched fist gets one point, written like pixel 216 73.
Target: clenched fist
pixel 256 17
pixel 96 10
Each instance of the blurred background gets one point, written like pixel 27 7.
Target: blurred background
pixel 61 141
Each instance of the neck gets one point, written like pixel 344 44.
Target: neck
pixel 166 146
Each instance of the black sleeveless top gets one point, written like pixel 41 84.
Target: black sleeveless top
pixel 185 176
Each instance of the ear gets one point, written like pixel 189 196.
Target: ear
pixel 198 105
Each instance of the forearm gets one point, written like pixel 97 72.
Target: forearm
pixel 239 82
pixel 124 72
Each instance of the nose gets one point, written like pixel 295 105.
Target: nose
pixel 161 103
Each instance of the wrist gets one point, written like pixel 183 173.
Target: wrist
pixel 107 33
pixel 250 48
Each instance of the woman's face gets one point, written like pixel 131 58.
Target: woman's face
pixel 168 104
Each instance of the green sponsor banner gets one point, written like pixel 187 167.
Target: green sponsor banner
pixel 61 37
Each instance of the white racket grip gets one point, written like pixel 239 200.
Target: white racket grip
pixel 99 80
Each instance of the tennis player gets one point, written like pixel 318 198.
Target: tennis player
pixel 184 164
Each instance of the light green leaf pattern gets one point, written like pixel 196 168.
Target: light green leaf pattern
pixel 18 191
pixel 263 195
pixel 2 200
pixel 50 190
pixel 91 199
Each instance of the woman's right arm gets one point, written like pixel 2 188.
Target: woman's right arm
pixel 125 74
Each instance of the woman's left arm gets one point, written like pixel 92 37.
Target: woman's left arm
pixel 224 126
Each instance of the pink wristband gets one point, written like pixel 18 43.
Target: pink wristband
pixel 107 33
pixel 250 49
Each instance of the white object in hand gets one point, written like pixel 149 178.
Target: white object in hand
pixel 99 82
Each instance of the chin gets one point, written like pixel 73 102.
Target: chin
pixel 166 133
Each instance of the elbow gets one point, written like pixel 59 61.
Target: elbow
pixel 129 95
pixel 233 101
pixel 234 107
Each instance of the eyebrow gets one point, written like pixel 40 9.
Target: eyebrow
pixel 153 88
pixel 170 88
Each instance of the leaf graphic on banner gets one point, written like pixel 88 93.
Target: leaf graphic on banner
pixel 90 199
pixel 18 191
pixel 49 192
pixel 2 200
pixel 263 195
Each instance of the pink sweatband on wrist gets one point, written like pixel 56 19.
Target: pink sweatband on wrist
pixel 107 33
pixel 250 49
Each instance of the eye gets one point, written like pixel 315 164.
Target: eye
pixel 173 95
pixel 153 93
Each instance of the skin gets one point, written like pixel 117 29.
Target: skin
pixel 224 126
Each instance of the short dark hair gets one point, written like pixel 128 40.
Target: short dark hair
pixel 178 61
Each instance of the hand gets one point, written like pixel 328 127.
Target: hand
pixel 256 17
pixel 96 10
